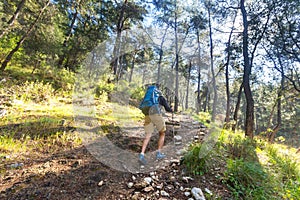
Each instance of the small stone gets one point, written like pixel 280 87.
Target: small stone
pixel 197 193
pixel 187 194
pixel 148 180
pixel 175 161
pixel 100 183
pixel 152 173
pixel 16 165
pixel 181 188
pixel 135 196
pixel 160 186
pixel 208 191
pixel 130 185
pixel 133 178
pixel 172 178
pixel 202 133
pixel 164 193
pixel 186 179
pixel 178 138
pixel 148 189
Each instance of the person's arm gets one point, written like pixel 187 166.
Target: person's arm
pixel 162 101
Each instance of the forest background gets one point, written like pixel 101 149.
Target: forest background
pixel 239 61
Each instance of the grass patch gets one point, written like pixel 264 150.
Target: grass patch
pixel 251 169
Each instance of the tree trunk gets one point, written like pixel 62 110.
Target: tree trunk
pixel 279 120
pixel 116 51
pixel 215 99
pixel 177 64
pixel 249 122
pixel 227 118
pixel 188 86
pixel 67 38
pixel 132 66
pixel 237 108
pixel 160 56
pixel 199 73
pixel 20 42
pixel 13 18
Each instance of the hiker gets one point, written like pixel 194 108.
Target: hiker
pixel 151 107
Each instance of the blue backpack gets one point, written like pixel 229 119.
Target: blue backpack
pixel 150 101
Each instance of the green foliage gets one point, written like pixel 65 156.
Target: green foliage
pixel 193 162
pixel 251 169
pixel 103 89
pixel 33 91
pixel 203 117
pixel 246 179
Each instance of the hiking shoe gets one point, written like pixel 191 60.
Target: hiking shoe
pixel 160 156
pixel 142 159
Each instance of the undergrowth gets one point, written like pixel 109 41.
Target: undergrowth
pixel 251 169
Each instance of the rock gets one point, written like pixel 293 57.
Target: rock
pixel 16 165
pixel 187 194
pixel 140 185
pixel 148 180
pixel 148 189
pixel 100 183
pixel 208 191
pixel 186 179
pixel 164 193
pixel 152 173
pixel 181 188
pixel 191 199
pixel 172 178
pixel 130 184
pixel 197 193
pixel 160 186
pixel 133 178
pixel 177 138
pixel 177 161
pixel 135 196
pixel 202 133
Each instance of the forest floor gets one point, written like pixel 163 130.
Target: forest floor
pixel 71 171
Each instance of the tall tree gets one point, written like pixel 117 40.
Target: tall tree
pixel 249 122
pixel 24 37
pixel 214 86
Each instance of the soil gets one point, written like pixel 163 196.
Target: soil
pixel 76 173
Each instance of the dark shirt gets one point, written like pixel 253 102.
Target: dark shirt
pixel 163 102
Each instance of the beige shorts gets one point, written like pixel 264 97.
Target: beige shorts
pixel 154 121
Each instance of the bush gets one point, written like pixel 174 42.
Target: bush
pixel 246 179
pixel 33 91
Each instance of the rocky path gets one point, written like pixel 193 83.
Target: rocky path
pixel 78 173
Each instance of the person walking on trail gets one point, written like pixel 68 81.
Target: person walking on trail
pixel 151 107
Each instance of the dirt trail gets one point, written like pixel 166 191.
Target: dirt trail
pixel 78 174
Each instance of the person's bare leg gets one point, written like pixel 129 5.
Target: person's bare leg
pixel 161 140
pixel 145 142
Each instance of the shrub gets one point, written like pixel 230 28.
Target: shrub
pixel 33 91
